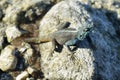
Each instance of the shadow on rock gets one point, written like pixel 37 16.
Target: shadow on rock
pixel 5 76
pixel 103 41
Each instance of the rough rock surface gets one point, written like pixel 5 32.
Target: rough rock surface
pixel 1 42
pixel 76 14
pixel 25 11
pixel 8 60
pixel 12 32
pixel 2 35
pixel 97 57
pixel 23 75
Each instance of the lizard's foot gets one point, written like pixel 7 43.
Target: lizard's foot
pixel 72 49
pixel 58 48
pixel 71 44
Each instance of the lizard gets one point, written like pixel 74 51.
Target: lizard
pixel 65 35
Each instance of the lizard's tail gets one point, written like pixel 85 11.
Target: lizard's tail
pixel 33 40
pixel 40 39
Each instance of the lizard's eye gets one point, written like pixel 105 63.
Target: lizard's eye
pixel 80 37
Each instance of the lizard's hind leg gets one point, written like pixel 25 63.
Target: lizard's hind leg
pixel 56 46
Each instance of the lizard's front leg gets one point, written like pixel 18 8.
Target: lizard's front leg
pixel 54 45
pixel 71 43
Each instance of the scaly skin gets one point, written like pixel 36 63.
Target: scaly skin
pixel 47 38
pixel 65 36
pixel 70 36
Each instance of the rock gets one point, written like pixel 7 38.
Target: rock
pixel 2 35
pixel 5 4
pixel 30 79
pixel 28 53
pixel 65 65
pixel 75 13
pixel 22 76
pixel 12 33
pixel 23 49
pixel 30 70
pixel 25 11
pixel 2 29
pixel 96 57
pixel 1 42
pixel 7 58
pixel 29 56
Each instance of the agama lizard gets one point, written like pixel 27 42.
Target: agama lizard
pixel 65 36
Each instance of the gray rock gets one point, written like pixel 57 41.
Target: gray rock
pixel 2 29
pixel 25 11
pixel 8 60
pixel 12 32
pixel 29 56
pixel 1 42
pixel 65 65
pixel 2 34
pixel 75 13
pixel 96 57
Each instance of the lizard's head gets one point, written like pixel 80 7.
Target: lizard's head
pixel 84 30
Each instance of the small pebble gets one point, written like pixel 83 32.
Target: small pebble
pixel 23 75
